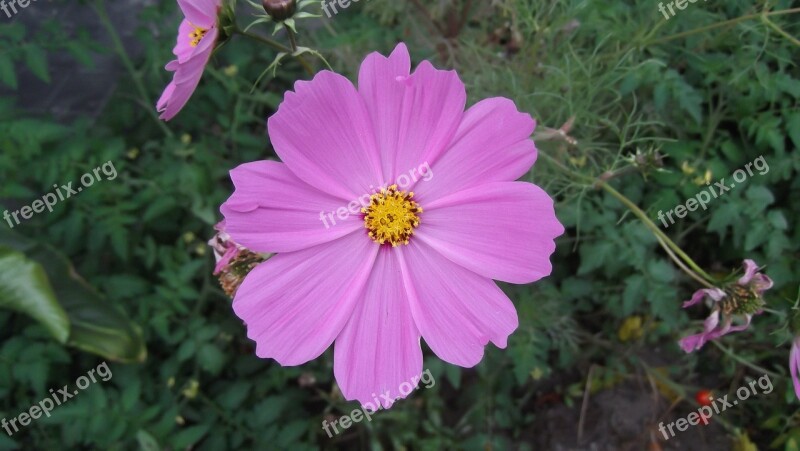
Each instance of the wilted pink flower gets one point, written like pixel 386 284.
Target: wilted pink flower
pixel 197 36
pixel 794 365
pixel 234 262
pixel 225 249
pixel 742 298
pixel 375 281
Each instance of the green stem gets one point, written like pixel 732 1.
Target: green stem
pixel 680 264
pixel 264 40
pixel 744 362
pixel 780 30
pixel 726 23
pixel 99 8
pixel 292 39
pixel 277 46
pixel 656 230
pixel 664 240
pixel 720 25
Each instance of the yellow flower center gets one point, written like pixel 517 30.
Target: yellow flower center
pixel 196 35
pixel 391 216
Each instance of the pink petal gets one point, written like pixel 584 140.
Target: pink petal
pixel 714 293
pixel 169 91
pixel 761 283
pixel 183 49
pixel 794 365
pixel 272 210
pixel 457 311
pixel 295 304
pixel 750 269
pixel 500 230
pixel 378 351
pixel 492 145
pixel 202 13
pixel 187 77
pixel 692 342
pixel 324 134
pixel 415 116
pixel 741 327
pixel 383 96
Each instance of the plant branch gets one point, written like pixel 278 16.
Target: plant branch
pixel 99 8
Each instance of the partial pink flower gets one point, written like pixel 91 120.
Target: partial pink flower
pixel 794 365
pixel 419 259
pixel 197 37
pixel 742 299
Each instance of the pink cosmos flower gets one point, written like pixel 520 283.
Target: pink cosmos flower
pixel 418 260
pixel 794 365
pixel 197 36
pixel 744 298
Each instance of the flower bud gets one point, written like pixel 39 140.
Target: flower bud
pixel 280 9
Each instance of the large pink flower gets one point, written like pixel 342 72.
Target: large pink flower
pixel 375 280
pixel 197 36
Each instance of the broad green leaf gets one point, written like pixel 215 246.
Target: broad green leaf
pixel 94 325
pixel 24 288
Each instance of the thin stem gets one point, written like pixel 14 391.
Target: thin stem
pixel 99 8
pixel 277 46
pixel 663 238
pixel 264 40
pixel 428 18
pixel 780 30
pixel 744 362
pixel 720 25
pixel 654 228
pixel 680 264
pixel 714 26
pixel 292 39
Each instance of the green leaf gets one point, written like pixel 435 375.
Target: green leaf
pixel 94 325
pixel 793 128
pixel 24 288
pixel 146 441
pixel 36 59
pixel 7 75
pixel 635 293
pixel 760 196
pixel 190 436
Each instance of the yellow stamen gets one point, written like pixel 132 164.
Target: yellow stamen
pixel 196 35
pixel 391 216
